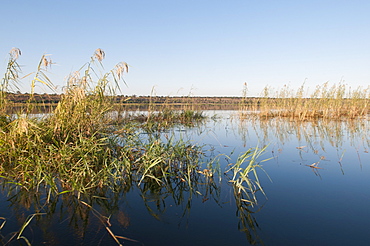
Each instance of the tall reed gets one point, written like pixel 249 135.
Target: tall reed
pixel 71 147
pixel 10 80
pixel 325 101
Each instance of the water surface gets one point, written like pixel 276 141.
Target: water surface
pixel 319 194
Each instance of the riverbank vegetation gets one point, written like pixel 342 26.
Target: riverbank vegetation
pixel 337 101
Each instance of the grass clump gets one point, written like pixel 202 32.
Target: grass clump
pixel 245 188
pixel 9 82
pixel 166 118
pixel 67 150
pixel 79 145
pixel 71 148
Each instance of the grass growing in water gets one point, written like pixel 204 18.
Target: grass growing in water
pixel 245 187
pixel 328 102
pixel 69 149
pixel 166 118
pixel 79 145
pixel 80 149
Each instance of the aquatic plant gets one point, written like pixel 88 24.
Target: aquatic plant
pixel 81 149
pixel 156 180
pixel 245 187
pixel 80 145
pixel 165 118
pixel 69 144
pixel 329 102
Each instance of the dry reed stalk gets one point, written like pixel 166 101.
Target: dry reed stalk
pixel 333 102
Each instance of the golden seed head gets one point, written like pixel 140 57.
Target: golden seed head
pixel 120 68
pixel 15 53
pixel 73 78
pixel 99 54
pixel 46 62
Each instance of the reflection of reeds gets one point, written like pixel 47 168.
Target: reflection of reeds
pixel 314 136
pixel 247 223
pixel 314 132
pixel 335 102
pixel 67 208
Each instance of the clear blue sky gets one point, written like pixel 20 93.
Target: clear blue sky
pixel 202 47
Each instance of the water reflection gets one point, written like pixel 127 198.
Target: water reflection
pixel 247 222
pixel 306 158
pixel 311 132
pixel 43 218
pixel 99 217
pixel 311 138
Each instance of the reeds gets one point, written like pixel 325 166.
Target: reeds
pixel 81 149
pixel 247 164
pixel 165 119
pixel 71 147
pixel 10 80
pixel 329 102
pixel 79 145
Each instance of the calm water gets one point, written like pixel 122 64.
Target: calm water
pixel 328 205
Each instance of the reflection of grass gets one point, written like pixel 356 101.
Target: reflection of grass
pixel 335 102
pixel 247 223
pixel 314 134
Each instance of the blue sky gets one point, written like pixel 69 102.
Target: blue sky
pixel 198 47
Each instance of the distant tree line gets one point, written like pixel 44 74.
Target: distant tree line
pixel 37 98
pixel 55 98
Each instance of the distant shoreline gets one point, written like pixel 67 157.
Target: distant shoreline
pixel 20 98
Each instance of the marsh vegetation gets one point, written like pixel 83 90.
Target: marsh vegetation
pixel 83 150
pixel 333 102
pixel 91 168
